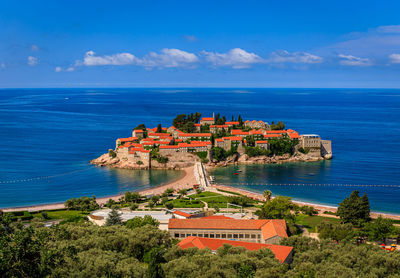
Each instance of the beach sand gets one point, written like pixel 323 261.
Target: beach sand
pixel 185 182
pixel 320 208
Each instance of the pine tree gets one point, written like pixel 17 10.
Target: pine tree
pixel 113 218
pixel 159 128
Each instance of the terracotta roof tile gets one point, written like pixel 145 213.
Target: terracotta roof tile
pixel 281 252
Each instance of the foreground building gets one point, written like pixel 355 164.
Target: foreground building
pixel 269 231
pixel 282 253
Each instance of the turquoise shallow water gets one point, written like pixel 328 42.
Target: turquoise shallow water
pixel 314 182
pixel 53 133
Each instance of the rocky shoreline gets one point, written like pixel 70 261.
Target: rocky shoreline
pixel 106 160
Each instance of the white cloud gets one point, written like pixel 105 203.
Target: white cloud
pixel 2 65
pixel 70 69
pixel 34 47
pixel 58 69
pixel 236 58
pixel 394 58
pixel 350 60
pixel 169 58
pixel 32 61
pixel 118 59
pixel 389 29
pixel 281 57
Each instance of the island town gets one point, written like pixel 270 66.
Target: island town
pixel 214 141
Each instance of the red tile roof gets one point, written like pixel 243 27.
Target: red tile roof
pixel 233 138
pixel 219 126
pixel 239 132
pixel 262 142
pixel 194 145
pixel 138 130
pixel 219 140
pixel 195 134
pixel 272 135
pixel 268 227
pixel 201 142
pixel 275 131
pixel 294 135
pixel 197 124
pixel 159 134
pixel 181 213
pixel 129 139
pixel 207 119
pixel 169 147
pixel 231 123
pixel 281 252
pixel 256 132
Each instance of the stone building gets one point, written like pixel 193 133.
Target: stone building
pixel 257 124
pixel 207 121
pixel 269 231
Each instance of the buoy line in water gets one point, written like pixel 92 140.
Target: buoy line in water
pixel 44 177
pixel 317 184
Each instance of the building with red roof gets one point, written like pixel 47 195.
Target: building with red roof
pixel 231 123
pixel 262 231
pixel 238 132
pixel 207 121
pixel 282 253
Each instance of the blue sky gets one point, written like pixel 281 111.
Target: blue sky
pixel 200 43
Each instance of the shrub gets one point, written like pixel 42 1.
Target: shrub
pixel 27 216
pixel 305 151
pixel 44 214
pixel 18 213
pixel 202 155
pixel 256 151
pixel 111 153
pixel 169 205
pixel 139 162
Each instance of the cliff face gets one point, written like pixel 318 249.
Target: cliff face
pixel 245 159
pixel 183 160
pixel 180 161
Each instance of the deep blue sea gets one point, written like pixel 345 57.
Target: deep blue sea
pixel 48 136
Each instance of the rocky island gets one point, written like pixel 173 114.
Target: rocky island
pixel 214 141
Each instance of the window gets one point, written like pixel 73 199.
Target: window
pixel 253 236
pixel 212 235
pixel 230 236
pixel 200 235
pixel 194 234
pixel 205 235
pixel 235 236
pixel 218 236
pixel 182 235
pixel 258 236
pixel 247 236
pixel 223 235
pixel 188 234
pixel 241 235
pixel 176 235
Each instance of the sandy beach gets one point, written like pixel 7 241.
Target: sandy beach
pixel 320 208
pixel 187 181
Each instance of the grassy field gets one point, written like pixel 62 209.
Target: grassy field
pixel 61 214
pixel 311 222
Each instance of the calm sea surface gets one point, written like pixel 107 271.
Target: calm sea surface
pixel 48 136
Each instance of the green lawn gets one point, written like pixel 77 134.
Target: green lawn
pixel 61 214
pixel 311 222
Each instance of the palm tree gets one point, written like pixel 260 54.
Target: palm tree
pixel 267 194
